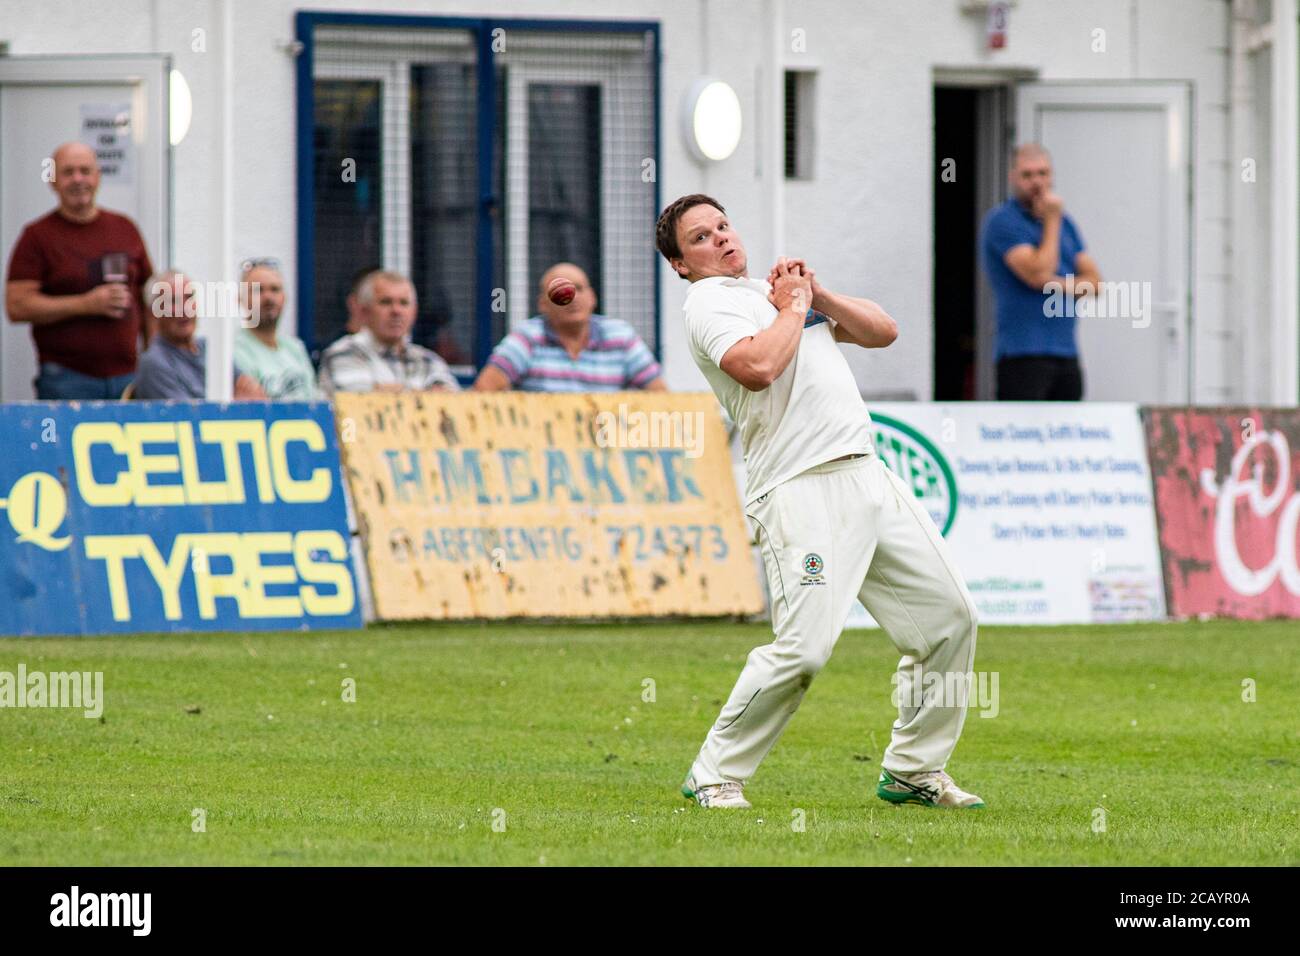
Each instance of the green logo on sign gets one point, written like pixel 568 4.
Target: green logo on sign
pixel 915 459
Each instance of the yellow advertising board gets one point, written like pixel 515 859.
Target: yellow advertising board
pixel 518 504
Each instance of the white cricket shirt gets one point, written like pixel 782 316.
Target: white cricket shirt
pixel 810 415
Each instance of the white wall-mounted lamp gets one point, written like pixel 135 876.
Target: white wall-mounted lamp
pixel 182 106
pixel 711 120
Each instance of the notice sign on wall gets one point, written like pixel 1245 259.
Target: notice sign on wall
pixel 527 505
pixel 107 129
pixel 1047 507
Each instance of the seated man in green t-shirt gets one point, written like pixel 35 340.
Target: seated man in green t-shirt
pixel 277 360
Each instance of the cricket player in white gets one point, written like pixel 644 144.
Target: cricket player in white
pixel 832 521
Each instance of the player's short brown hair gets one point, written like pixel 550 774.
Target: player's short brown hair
pixel 666 227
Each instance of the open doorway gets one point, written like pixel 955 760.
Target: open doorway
pixel 971 139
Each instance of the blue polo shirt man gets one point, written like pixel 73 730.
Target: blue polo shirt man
pixel 1026 243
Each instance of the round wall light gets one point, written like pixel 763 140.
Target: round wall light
pixel 711 120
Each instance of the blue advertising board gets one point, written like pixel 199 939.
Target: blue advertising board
pixel 172 516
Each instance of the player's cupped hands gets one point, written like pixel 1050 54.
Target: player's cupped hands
pixel 801 265
pixel 792 284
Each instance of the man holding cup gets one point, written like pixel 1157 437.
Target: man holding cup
pixel 77 275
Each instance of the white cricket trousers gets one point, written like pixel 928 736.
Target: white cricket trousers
pixel 842 530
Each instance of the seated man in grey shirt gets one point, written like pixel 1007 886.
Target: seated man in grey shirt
pixel 173 366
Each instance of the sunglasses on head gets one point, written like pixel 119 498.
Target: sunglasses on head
pixel 250 264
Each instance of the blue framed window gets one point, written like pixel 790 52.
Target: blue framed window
pixel 472 154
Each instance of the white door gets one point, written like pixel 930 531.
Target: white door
pixel 1121 155
pixel 45 101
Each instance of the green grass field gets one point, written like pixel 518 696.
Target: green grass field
pixel 543 728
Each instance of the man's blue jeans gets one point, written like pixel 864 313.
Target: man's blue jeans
pixel 59 384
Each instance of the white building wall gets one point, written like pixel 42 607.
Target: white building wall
pixel 865 219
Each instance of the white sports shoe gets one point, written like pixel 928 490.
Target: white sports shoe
pixel 716 796
pixel 931 788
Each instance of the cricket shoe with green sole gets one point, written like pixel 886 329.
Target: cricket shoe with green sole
pixel 716 796
pixel 932 788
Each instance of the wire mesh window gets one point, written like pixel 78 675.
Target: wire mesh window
pixel 444 209
pixel 349 193
pixel 564 134
pixel 569 176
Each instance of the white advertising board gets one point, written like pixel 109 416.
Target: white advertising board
pixel 1047 507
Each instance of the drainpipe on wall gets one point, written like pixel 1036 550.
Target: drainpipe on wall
pixel 1241 349
pixel 1285 239
pixel 221 345
pixel 772 122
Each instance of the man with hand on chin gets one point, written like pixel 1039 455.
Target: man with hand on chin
pixel 833 523
pixel 1033 253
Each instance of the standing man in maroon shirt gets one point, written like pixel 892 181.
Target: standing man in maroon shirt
pixel 77 275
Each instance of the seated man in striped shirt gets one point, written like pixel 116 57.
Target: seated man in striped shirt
pixel 568 348
pixel 379 358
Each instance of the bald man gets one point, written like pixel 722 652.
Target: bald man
pixel 77 275
pixel 174 365
pixel 1031 251
pixel 570 348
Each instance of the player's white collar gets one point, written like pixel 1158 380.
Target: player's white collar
pixel 745 282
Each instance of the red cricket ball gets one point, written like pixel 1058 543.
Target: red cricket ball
pixel 561 291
